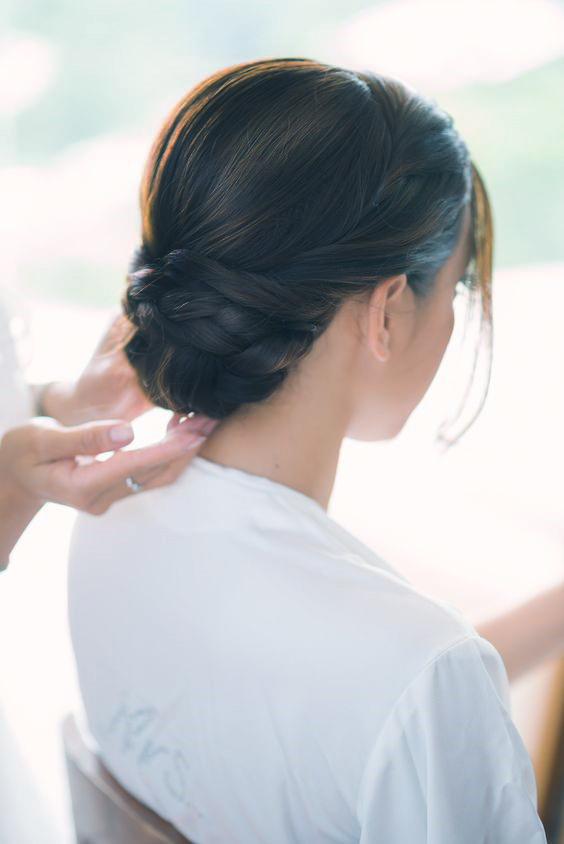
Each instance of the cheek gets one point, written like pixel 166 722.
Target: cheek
pixel 445 332
pixel 450 323
pixel 438 339
pixel 385 411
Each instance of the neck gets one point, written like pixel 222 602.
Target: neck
pixel 294 438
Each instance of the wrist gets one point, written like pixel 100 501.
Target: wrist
pixel 17 509
pixel 55 399
pixel 15 500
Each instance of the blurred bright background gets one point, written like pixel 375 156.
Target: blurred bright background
pixel 83 90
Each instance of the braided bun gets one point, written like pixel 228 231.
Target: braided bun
pixel 202 342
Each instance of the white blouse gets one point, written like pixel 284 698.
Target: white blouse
pixel 254 673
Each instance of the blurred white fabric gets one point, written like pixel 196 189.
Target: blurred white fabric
pixel 23 810
pixel 15 403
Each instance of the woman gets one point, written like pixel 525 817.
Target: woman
pixel 260 674
pixel 38 462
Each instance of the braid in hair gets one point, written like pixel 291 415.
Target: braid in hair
pixel 203 341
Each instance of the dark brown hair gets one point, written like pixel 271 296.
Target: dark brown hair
pixel 274 190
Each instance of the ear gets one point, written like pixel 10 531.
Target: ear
pixel 382 300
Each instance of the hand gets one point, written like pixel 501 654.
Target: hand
pixel 107 389
pixel 41 462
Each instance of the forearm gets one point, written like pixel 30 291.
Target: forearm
pixel 530 634
pixel 16 512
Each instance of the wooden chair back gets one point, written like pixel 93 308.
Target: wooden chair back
pixel 104 813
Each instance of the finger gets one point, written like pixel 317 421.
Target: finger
pixel 142 477
pixel 122 464
pixel 55 443
pixel 208 426
pixel 145 476
pixel 163 476
pixel 192 421
pixel 174 421
pixel 79 485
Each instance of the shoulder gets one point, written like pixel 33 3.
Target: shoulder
pixel 450 747
pixel 393 629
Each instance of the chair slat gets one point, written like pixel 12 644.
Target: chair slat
pixel 104 812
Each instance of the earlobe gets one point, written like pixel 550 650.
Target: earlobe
pixel 380 346
pixel 378 332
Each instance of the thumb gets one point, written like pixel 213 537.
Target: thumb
pixel 91 438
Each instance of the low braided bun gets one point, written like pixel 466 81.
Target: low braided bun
pixel 275 190
pixel 202 341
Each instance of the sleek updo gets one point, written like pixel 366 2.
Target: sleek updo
pixel 274 190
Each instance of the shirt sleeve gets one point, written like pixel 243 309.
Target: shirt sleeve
pixel 449 764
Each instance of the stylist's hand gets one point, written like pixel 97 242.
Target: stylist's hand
pixel 40 462
pixel 106 389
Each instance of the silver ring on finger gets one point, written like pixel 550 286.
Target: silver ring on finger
pixel 133 485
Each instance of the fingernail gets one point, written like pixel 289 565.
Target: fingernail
pixel 191 421
pixel 121 434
